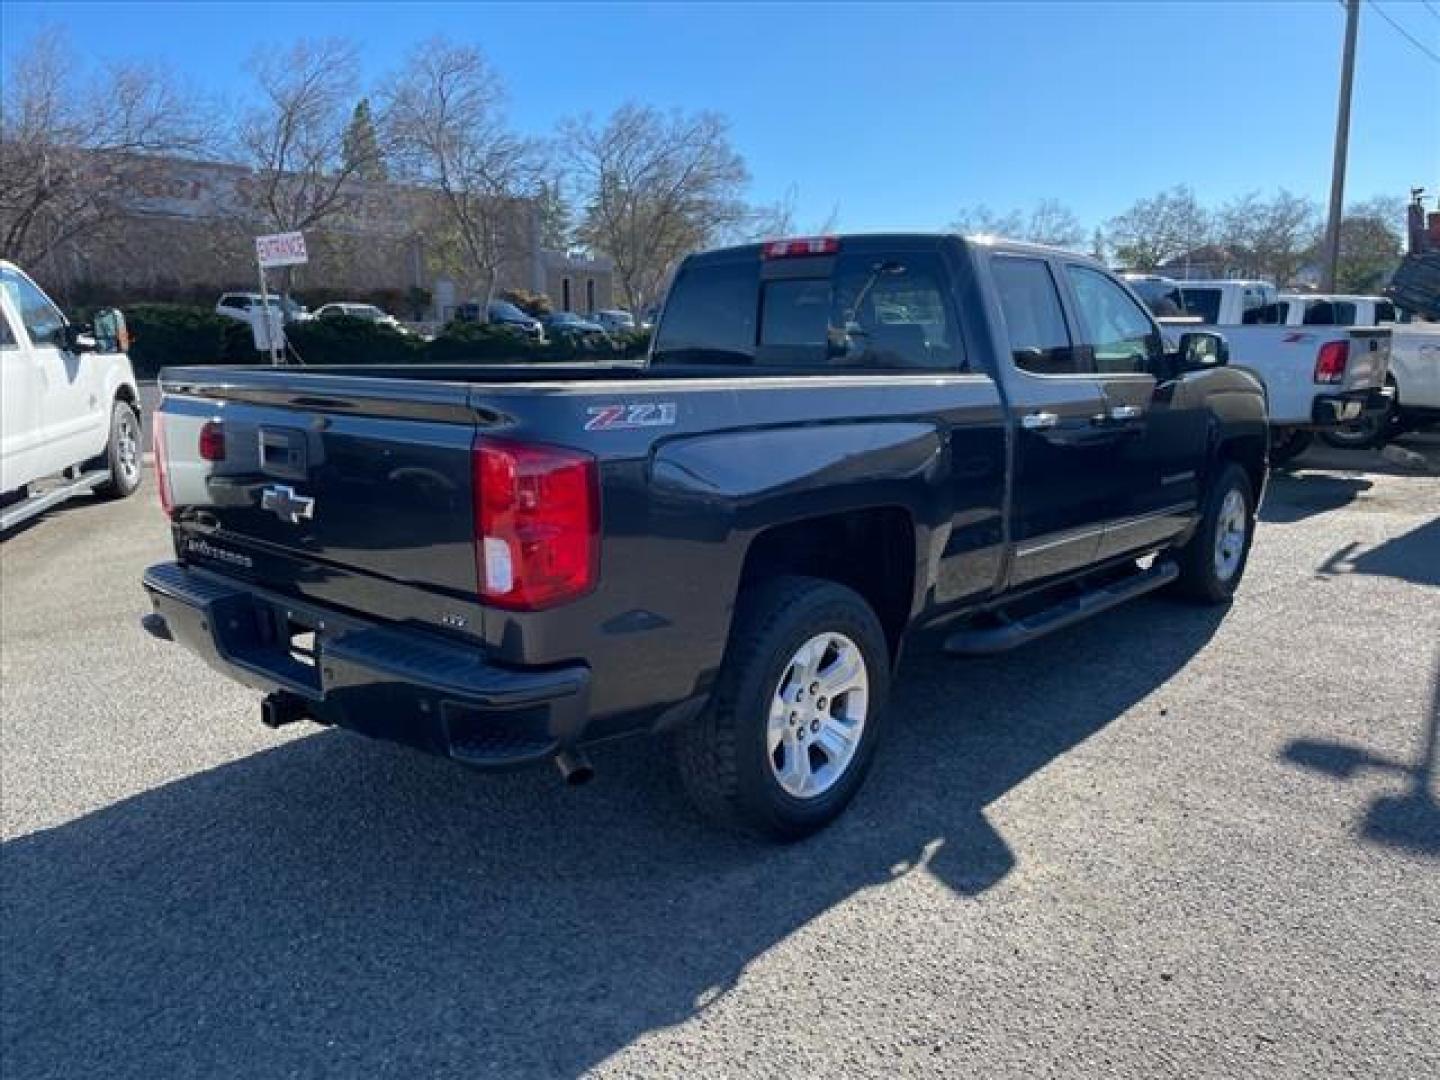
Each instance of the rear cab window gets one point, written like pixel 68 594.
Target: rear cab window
pixel 865 309
pixel 1202 302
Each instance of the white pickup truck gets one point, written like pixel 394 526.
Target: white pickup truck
pixel 1317 378
pixel 71 407
pixel 1414 375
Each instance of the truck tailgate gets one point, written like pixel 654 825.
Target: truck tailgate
pixel 349 490
pixel 1369 358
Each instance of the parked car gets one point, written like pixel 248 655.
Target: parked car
pixel 615 321
pixel 246 306
pixel 503 314
pixel 352 310
pixel 1317 378
pixel 568 324
pixel 835 445
pixel 70 403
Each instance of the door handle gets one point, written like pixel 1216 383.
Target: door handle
pixel 1125 412
pixel 1039 421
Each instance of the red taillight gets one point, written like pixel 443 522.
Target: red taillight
pixel 537 523
pixel 1330 364
pixel 802 245
pixel 162 479
pixel 212 441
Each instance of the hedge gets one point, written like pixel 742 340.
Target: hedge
pixel 162 335
pixel 343 339
pixel 169 334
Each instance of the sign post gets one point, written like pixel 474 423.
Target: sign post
pixel 277 249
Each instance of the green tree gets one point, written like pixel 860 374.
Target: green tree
pixel 1372 241
pixel 360 147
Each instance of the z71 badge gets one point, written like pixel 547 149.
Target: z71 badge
pixel 623 417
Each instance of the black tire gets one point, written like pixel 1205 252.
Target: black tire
pixel 1287 444
pixel 123 453
pixel 1201 579
pixel 1370 431
pixel 723 755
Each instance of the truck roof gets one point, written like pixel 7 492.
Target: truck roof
pixel 892 241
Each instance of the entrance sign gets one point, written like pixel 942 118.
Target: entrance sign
pixel 281 249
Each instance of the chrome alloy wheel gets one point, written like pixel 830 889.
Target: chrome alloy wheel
pixel 1231 527
pixel 127 446
pixel 817 715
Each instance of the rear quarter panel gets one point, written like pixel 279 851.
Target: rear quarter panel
pixel 682 503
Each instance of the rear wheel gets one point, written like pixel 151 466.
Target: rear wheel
pixel 791 728
pixel 1213 560
pixel 1286 444
pixel 1371 430
pixel 123 453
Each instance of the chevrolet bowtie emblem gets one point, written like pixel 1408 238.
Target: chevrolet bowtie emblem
pixel 286 505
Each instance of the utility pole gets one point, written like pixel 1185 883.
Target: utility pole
pixel 1342 149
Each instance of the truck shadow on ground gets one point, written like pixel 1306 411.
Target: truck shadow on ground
pixel 1295 496
pixel 336 906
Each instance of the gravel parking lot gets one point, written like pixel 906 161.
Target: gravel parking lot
pixel 1167 842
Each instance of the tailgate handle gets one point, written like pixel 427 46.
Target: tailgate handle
pixel 282 453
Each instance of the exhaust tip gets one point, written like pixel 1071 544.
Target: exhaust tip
pixel 575 768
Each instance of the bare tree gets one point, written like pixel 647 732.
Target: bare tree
pixel 1159 228
pixel 1055 224
pixel 654 186
pixel 1270 238
pixel 444 117
pixel 295 137
pixel 76 151
pixel 980 220
pixel 1049 222
pixel 772 221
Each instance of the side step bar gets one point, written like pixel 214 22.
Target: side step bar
pixel 983 641
pixel 27 508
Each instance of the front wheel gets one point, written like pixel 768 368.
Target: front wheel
pixel 1213 560
pixel 792 725
pixel 123 453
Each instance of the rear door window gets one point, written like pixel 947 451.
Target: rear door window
pixel 1114 328
pixel 1034 320
pixel 1384 312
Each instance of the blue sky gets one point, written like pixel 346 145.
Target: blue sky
pixel 896 114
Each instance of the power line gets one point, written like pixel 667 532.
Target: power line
pixel 1405 33
pixel 1431 8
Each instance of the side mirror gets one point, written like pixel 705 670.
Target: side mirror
pixel 1201 349
pixel 78 339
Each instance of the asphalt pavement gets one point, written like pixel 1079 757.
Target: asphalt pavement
pixel 1171 841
